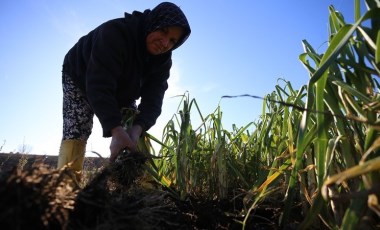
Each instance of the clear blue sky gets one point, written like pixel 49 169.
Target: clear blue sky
pixel 236 47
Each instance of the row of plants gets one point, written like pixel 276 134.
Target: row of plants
pixel 316 147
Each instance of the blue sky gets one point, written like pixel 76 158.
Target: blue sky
pixel 236 47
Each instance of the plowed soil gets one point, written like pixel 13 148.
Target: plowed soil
pixel 35 195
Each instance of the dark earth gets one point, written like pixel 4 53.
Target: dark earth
pixel 35 195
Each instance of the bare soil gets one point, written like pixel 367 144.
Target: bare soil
pixel 35 195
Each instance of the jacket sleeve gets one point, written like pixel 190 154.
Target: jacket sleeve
pixel 103 71
pixel 152 95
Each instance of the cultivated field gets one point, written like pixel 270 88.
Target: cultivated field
pixel 34 195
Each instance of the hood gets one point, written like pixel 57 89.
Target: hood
pixel 164 15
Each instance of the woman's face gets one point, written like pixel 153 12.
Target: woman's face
pixel 163 40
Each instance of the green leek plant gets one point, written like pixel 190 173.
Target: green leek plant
pixel 316 148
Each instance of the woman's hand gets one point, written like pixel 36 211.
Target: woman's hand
pixel 120 140
pixel 135 133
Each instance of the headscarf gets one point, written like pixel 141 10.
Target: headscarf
pixel 167 14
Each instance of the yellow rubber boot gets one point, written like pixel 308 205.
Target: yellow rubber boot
pixel 72 151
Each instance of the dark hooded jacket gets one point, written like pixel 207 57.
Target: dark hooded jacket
pixel 112 67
